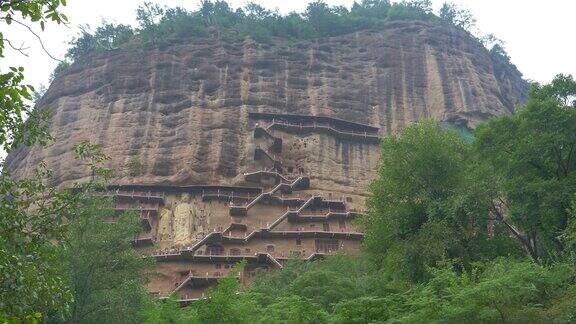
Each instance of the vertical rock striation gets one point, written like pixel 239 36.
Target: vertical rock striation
pixel 182 110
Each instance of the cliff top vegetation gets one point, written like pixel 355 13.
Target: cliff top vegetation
pixel 159 25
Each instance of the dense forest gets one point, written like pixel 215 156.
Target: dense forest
pixel 459 230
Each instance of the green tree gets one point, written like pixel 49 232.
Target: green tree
pixel 568 237
pixel 224 304
pixel 105 274
pixel 533 154
pixel 450 13
pixel 105 38
pixel 499 52
pixel 102 272
pixel 178 22
pixel 500 291
pixel 32 218
pixel 367 309
pixel 293 309
pixel 496 49
pixel 19 123
pixel 148 16
pixel 325 282
pixel 320 16
pixel 168 311
pixel 61 67
pixel 411 10
pixel 14 110
pixel 429 203
pixel 31 214
pixel 257 22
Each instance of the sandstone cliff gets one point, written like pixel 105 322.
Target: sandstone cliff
pixel 182 111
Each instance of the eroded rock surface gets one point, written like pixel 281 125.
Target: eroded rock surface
pixel 182 110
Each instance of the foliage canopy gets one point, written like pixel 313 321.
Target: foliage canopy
pixel 159 25
pixel 31 213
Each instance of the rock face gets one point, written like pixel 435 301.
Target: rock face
pixel 241 151
pixel 182 110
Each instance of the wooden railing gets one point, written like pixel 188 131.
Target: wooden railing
pixel 335 122
pixel 146 240
pixel 276 145
pixel 365 136
pixel 226 195
pixel 243 208
pixel 273 173
pixel 134 194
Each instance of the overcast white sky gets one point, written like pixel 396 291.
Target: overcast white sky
pixel 538 34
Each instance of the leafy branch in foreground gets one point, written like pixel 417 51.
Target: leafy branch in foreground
pixel 32 215
pixel 20 124
pixel 105 274
pixel 32 222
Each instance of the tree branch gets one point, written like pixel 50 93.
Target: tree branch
pixel 38 37
pixel 20 49
pixel 540 168
pixel 569 160
pixel 524 239
pixel 560 166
